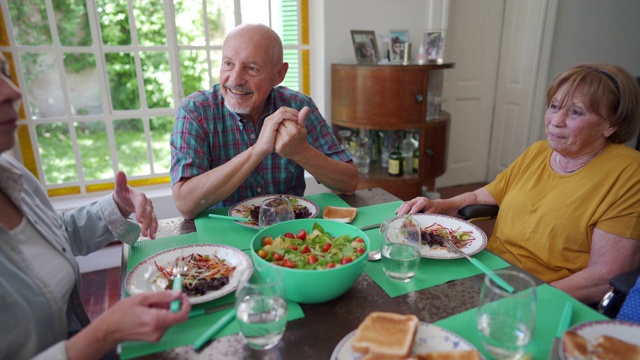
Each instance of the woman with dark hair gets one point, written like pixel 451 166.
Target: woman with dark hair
pixel 570 204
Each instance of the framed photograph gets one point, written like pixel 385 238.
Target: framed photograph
pixel 434 43
pixel 365 46
pixel 399 39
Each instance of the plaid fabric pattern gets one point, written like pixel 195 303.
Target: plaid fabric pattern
pixel 206 135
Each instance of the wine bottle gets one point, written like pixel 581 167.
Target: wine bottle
pixel 416 160
pixel 396 162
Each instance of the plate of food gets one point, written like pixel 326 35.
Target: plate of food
pixel 613 339
pixel 383 335
pixel 213 270
pixel 250 208
pixel 433 227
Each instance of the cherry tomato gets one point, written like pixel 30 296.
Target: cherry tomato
pixel 267 240
pixel 302 234
pixel 326 247
pixel 360 250
pixel 358 239
pixel 346 260
pixel 330 266
pixel 289 235
pixel 289 263
pixel 312 259
pixel 293 247
pixel 277 256
pixel 263 254
pixel 305 249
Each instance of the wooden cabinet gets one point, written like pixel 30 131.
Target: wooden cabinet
pixel 393 97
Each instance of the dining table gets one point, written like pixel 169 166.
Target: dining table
pixel 449 303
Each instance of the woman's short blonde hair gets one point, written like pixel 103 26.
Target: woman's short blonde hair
pixel 609 91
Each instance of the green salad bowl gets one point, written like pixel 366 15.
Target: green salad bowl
pixel 312 286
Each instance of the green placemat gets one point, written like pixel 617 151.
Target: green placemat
pixel 187 332
pixel 550 305
pixel 228 232
pixel 375 214
pixel 432 272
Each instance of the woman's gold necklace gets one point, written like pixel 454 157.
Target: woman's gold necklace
pixel 579 166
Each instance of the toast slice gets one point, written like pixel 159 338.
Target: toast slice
pixel 385 335
pixel 609 348
pixel 450 355
pixel 341 214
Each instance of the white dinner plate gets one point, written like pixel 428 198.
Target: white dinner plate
pixel 141 278
pixel 425 220
pixel 239 208
pixel 624 330
pixel 429 338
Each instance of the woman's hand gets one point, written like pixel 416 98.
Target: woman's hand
pixel 144 317
pixel 416 205
pixel 130 200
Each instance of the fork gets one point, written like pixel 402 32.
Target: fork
pixel 454 249
pixel 178 268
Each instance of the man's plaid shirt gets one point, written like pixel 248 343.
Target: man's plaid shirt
pixel 206 135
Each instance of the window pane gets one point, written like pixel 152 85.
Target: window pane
pixel 160 133
pixel 195 75
pixel 30 22
pixel 255 11
pixel 72 21
pixel 93 145
pixel 221 20
pixel 131 145
pixel 157 79
pixel 114 22
pixel 40 71
pixel 189 22
pixel 216 60
pixel 123 84
pixel 83 84
pixel 285 20
pixel 149 16
pixel 56 153
pixel 291 80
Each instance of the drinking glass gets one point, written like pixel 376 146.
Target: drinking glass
pixel 506 320
pixel 401 253
pixel 275 210
pixel 261 309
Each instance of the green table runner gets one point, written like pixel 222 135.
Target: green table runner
pixel 550 305
pixel 432 272
pixel 187 332
pixel 229 232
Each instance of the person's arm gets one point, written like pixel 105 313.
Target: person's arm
pixel 195 194
pixel 291 143
pixel 610 255
pixel 446 206
pixel 143 317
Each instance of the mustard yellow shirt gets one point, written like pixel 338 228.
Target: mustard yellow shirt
pixel 546 219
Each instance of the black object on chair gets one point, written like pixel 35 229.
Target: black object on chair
pixel 479 212
pixel 622 284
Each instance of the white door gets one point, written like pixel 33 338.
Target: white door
pixel 495 92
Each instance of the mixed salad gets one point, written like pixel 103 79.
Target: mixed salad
pixel 434 234
pixel 204 273
pixel 315 250
pixel 299 211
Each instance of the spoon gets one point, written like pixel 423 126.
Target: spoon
pixel 374 255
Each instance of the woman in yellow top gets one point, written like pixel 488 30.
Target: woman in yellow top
pixel 570 204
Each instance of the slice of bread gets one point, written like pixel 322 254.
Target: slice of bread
pixel 342 214
pixel 609 348
pixel 575 346
pixel 385 335
pixel 450 355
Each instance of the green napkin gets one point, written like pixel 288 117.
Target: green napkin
pixel 229 232
pixel 550 305
pixel 432 272
pixel 185 333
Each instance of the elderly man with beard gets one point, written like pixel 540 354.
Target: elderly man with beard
pixel 248 137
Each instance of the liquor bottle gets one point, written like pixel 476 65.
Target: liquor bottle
pixel 416 160
pixel 396 162
pixel 407 149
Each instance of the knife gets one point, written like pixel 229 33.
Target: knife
pixel 370 226
pixel 563 325
pixel 209 310
pixel 236 218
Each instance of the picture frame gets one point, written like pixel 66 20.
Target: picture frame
pixel 365 46
pixel 433 42
pixel 397 42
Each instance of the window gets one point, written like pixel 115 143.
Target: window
pixel 101 78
